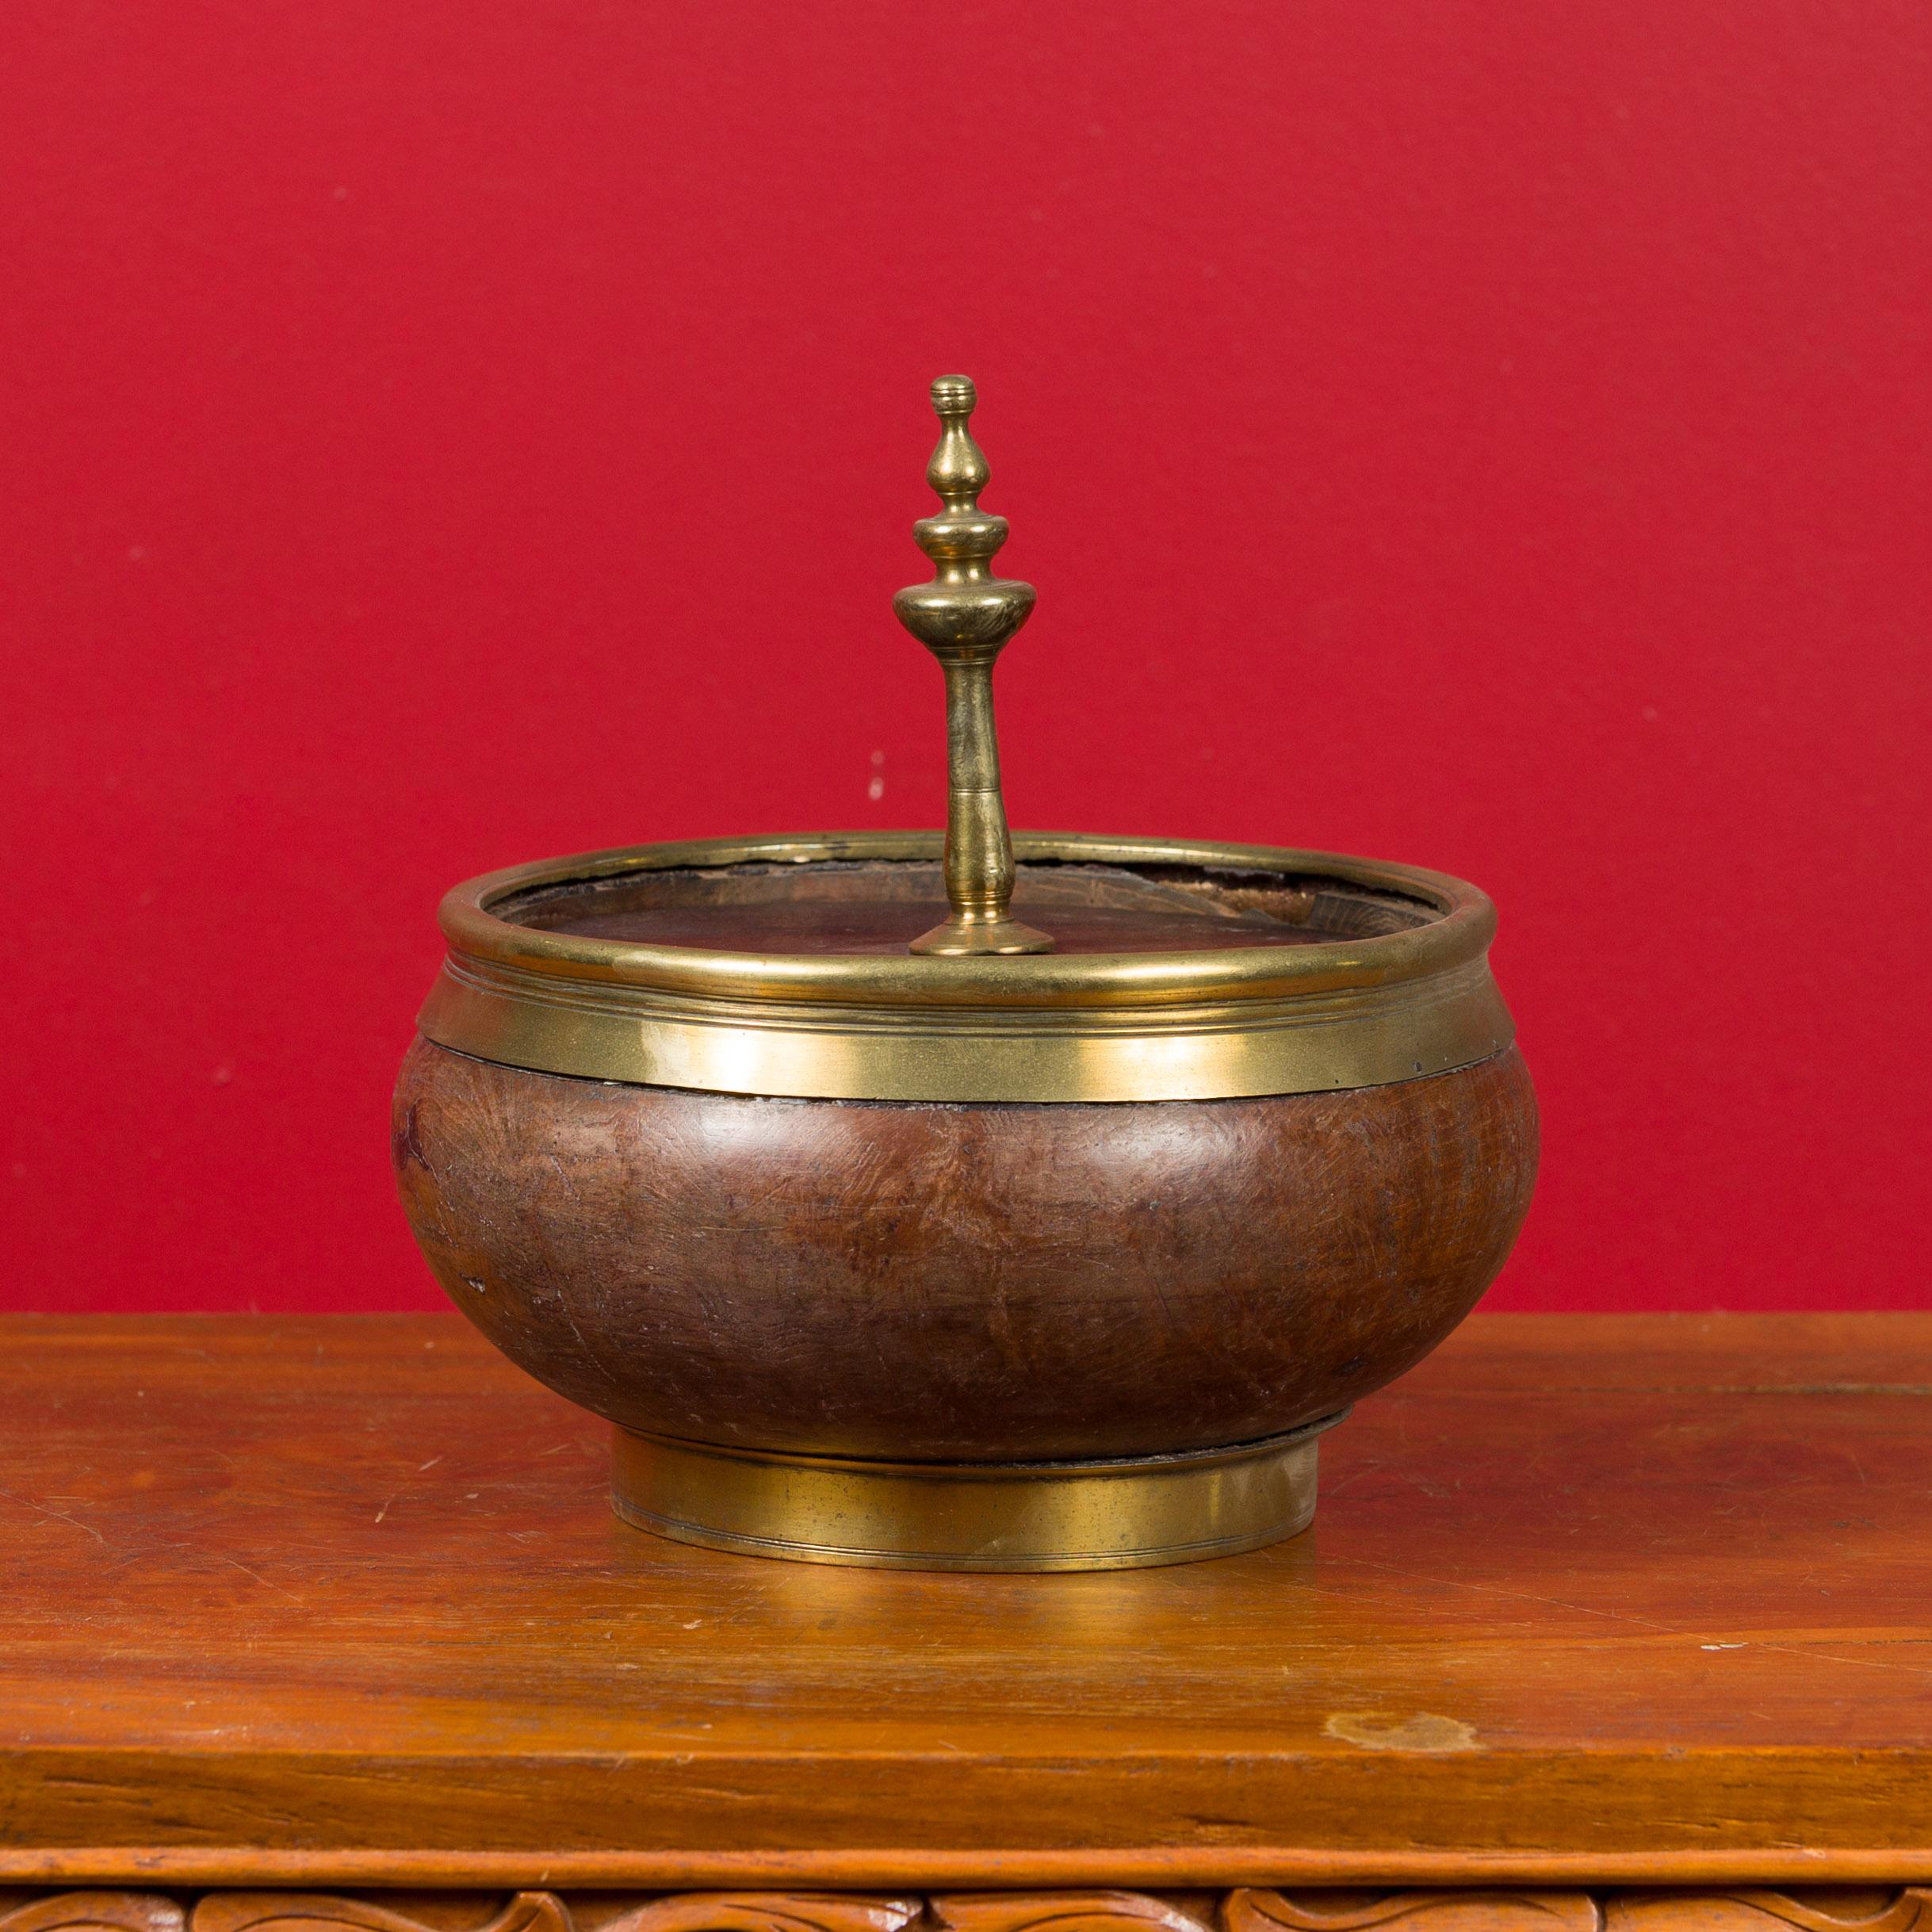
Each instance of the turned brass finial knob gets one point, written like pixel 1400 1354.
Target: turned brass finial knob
pixel 964 617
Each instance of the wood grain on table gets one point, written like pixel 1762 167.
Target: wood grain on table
pixel 1588 1598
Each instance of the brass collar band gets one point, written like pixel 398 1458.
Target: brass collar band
pixel 1122 1514
pixel 1054 1028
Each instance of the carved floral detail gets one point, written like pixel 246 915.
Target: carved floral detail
pixel 1061 1911
pixel 767 1911
pixel 544 1911
pixel 1471 1911
pixel 1248 1909
pixel 1763 1911
pixel 86 1911
pixel 305 1912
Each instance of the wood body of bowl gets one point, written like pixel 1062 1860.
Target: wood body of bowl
pixel 986 1283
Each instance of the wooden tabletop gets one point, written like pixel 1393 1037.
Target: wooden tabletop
pixel 1588 1598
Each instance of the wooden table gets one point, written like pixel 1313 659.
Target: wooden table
pixel 1603 1620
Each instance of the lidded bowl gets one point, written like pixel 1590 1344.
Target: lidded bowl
pixel 987 1202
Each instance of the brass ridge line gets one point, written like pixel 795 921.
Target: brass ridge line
pixel 1246 1021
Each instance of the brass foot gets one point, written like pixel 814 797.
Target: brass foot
pixel 1117 1514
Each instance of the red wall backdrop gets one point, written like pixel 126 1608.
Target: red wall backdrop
pixel 1490 435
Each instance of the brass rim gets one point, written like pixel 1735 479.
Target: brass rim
pixel 1126 1513
pixel 1046 1027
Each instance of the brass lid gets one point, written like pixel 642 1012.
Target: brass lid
pixel 889 966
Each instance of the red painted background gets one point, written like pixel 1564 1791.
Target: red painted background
pixel 440 435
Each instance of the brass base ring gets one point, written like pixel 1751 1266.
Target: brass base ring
pixel 1121 1513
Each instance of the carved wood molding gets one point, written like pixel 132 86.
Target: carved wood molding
pixel 1475 1909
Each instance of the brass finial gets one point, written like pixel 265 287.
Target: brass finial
pixel 964 617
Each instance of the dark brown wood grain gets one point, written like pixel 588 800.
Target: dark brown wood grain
pixel 1591 1601
pixel 871 905
pixel 968 1282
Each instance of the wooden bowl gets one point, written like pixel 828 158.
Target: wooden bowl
pixel 1046 1262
